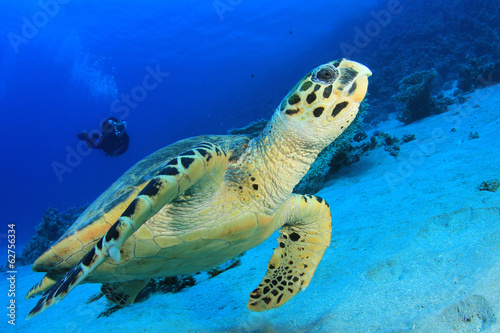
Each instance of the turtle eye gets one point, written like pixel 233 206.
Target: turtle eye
pixel 325 74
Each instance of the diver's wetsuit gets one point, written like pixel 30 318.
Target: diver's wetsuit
pixel 111 144
pixel 113 140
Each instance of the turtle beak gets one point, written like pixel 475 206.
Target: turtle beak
pixel 357 88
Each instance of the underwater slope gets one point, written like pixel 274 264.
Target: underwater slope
pixel 415 248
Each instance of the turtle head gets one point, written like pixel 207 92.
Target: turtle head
pixel 325 102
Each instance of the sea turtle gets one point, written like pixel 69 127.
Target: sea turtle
pixel 201 201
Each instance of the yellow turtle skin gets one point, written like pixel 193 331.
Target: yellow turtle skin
pixel 201 201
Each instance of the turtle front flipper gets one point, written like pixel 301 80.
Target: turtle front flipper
pixel 178 175
pixel 302 243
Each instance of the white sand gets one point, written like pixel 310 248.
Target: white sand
pixel 415 247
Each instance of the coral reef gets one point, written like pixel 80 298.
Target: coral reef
pixel 53 226
pixel 475 74
pixel 423 34
pixel 472 314
pixel 415 97
pixel 253 129
pixel 333 154
pixel 473 135
pixel 491 185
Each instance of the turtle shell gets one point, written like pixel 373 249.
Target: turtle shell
pixel 93 223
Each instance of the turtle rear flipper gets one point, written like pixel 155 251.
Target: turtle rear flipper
pixel 302 243
pixel 41 286
pixel 123 293
pixel 179 174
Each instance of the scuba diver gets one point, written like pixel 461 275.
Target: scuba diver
pixel 113 140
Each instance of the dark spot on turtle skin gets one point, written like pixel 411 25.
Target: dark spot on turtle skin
pixel 283 283
pixel 279 278
pixel 306 85
pixel 62 290
pixel 202 152
pixel 270 267
pixel 112 232
pixel 209 157
pixel 290 290
pixel 327 91
pixel 285 236
pixel 63 285
pixel 169 171
pixel 352 89
pixel 131 208
pixel 294 99
pixel 281 288
pixel 172 162
pixel 268 280
pixel 311 98
pixel 266 290
pixel 279 298
pixel 290 262
pixel 254 304
pixel 267 300
pixel 274 282
pixel 338 108
pixel 38 307
pixel 294 236
pixel 88 257
pixel 318 111
pixel 305 198
pixel 187 161
pixel 252 179
pixel 188 153
pixel 274 292
pixel 218 151
pixel 319 199
pixel 205 145
pixel 255 186
pixel 99 244
pixel 348 74
pixel 240 187
pixel 152 188
pixel 292 111
pixel 289 277
pixel 255 294
pixel 316 87
pixel 295 279
pixel 282 245
pixel 302 274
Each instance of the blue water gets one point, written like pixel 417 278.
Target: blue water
pixel 66 65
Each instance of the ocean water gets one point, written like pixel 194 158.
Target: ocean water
pixel 414 242
pixel 65 66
